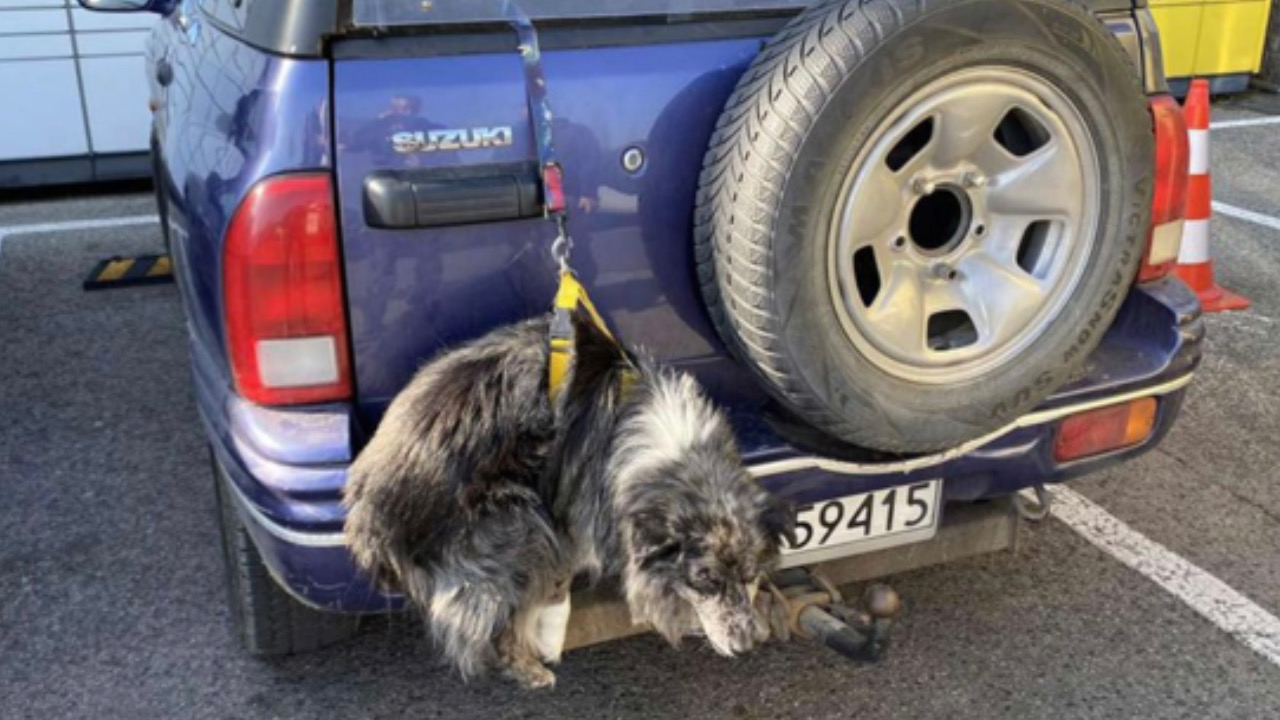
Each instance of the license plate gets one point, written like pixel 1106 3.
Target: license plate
pixel 862 523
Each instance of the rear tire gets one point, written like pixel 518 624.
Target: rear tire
pixel 268 620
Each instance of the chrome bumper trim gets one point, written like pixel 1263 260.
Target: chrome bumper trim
pixel 1040 417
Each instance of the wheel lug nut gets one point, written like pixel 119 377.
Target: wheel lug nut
pixel 922 186
pixel 974 180
pixel 898 243
pixel 943 271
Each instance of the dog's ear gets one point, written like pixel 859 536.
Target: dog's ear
pixel 778 518
pixel 594 351
pixel 587 335
pixel 652 542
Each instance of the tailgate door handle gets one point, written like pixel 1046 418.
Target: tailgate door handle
pixel 399 199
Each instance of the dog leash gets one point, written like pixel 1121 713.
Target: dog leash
pixel 570 294
pixel 551 173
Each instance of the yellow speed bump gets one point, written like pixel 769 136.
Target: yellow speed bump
pixel 122 272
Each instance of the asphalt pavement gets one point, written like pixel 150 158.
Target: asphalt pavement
pixel 111 584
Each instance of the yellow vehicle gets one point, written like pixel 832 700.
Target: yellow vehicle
pixel 1219 39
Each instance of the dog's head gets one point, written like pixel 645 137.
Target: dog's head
pixel 699 549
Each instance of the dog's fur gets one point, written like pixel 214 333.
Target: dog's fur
pixel 481 500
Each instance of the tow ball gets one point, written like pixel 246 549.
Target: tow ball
pixel 802 603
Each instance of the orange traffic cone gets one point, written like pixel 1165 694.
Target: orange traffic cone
pixel 1195 264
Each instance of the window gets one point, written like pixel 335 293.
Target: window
pixel 420 12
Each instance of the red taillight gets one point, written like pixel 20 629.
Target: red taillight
pixel 1098 431
pixel 1169 204
pixel 282 293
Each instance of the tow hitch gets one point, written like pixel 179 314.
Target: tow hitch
pixel 801 603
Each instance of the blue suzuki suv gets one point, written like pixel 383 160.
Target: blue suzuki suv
pixel 919 249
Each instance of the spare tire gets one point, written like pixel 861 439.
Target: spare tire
pixel 917 218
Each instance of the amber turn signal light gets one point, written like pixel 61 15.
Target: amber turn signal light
pixel 1106 429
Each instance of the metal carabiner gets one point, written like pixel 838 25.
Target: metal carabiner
pixel 562 246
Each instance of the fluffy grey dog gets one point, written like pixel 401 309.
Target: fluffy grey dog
pixel 482 500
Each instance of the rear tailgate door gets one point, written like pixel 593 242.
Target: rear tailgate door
pixel 441 222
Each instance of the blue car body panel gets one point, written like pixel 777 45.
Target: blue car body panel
pixel 414 292
pixel 233 115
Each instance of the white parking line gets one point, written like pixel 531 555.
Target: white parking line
pixel 90 224
pixel 1250 122
pixel 1213 599
pixel 1241 214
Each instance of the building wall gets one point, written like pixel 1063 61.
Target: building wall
pixel 71 81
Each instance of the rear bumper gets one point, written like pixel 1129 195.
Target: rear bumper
pixel 287 468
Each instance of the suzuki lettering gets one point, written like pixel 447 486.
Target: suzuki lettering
pixel 455 139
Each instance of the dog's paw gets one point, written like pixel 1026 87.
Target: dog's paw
pixel 532 676
pixel 550 627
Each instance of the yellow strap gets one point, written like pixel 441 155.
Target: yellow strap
pixel 558 366
pixel 569 296
pixel 558 369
